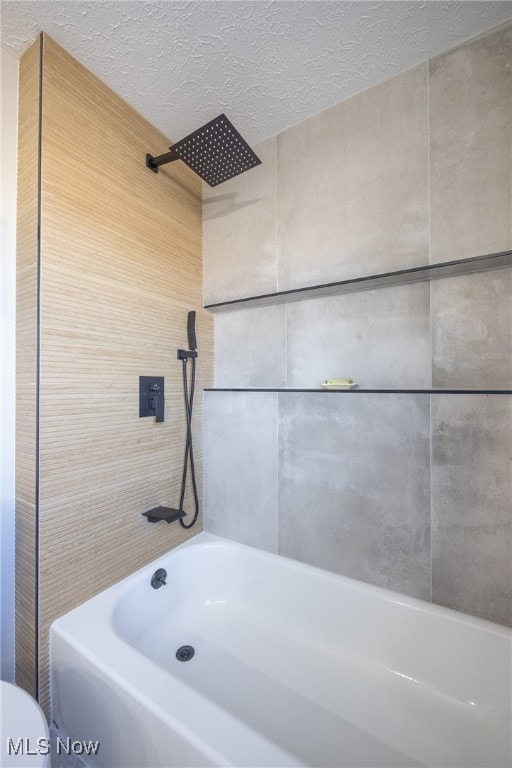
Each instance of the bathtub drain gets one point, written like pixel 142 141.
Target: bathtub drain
pixel 185 653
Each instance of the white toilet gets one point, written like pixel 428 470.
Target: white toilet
pixel 25 740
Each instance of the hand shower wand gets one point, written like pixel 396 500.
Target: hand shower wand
pixel 188 394
pixel 169 514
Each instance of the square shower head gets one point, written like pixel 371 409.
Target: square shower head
pixel 216 152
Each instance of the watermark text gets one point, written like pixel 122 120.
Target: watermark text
pixel 42 746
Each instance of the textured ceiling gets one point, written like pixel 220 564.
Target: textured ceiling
pixel 267 65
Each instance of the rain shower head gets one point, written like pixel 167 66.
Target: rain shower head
pixel 216 152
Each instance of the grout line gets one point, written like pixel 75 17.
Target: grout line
pixel 430 500
pixel 214 360
pixel 429 194
pixel 276 214
pixel 286 377
pixel 431 349
pixel 277 473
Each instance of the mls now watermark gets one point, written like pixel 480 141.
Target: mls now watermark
pixel 25 746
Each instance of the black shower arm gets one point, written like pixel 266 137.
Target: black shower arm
pixel 154 162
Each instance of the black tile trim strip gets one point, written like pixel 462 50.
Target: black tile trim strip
pixel 400 277
pixel 37 676
pixel 365 391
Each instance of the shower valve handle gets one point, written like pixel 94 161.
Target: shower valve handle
pixel 156 404
pixel 151 397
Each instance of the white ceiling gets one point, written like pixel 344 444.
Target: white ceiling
pixel 267 64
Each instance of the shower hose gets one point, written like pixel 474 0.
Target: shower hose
pixel 188 460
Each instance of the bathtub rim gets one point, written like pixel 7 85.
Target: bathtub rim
pixel 206 540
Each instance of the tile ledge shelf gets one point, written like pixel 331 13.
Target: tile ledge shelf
pixel 363 390
pixel 400 277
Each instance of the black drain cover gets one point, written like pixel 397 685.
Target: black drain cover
pixel 185 653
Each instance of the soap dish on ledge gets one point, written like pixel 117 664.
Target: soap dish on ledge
pixel 339 384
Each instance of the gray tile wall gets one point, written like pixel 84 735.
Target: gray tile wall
pixel 379 338
pixel 250 347
pixel 241 444
pixel 239 232
pixel 470 107
pixel 408 492
pixel 472 330
pixel 354 486
pixel 352 186
pixel 471 504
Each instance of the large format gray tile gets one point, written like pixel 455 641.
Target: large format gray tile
pixel 240 467
pixel 250 347
pixel 470 114
pixel 239 232
pixel 472 504
pixel 380 338
pixel 472 331
pixel 352 186
pixel 354 486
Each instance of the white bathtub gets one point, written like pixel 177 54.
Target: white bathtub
pixel 293 666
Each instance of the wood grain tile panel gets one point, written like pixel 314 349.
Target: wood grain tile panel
pixel 25 604
pixel 26 368
pixel 122 266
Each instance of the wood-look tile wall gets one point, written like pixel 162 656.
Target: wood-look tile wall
pixel 120 269
pixel 26 368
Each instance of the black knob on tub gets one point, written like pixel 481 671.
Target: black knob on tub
pixel 158 579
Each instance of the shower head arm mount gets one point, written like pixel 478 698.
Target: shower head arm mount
pixel 153 163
